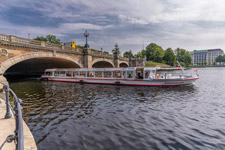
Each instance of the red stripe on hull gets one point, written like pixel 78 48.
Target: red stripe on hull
pixel 106 79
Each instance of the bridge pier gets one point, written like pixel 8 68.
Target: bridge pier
pixel 116 60
pixel 87 58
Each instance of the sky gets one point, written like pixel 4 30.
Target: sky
pixel 133 24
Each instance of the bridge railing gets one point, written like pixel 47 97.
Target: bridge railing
pixel 28 41
pixel 123 59
pixel 47 44
pixel 73 49
pixel 14 39
pixel 18 136
pixel 98 53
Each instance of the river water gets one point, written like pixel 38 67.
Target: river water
pixel 71 116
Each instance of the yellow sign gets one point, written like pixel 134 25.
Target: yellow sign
pixel 73 44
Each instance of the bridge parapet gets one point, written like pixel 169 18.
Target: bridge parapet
pixel 4 37
pixel 36 44
pixel 123 59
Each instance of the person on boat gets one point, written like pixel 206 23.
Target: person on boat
pixel 140 75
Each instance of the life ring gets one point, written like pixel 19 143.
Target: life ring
pixel 157 76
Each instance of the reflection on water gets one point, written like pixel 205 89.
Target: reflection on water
pixel 87 116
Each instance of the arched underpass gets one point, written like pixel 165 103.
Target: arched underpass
pixel 37 66
pixel 102 64
pixel 123 65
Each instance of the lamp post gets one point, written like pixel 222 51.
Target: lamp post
pixel 116 49
pixel 86 34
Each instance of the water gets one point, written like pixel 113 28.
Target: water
pixel 74 116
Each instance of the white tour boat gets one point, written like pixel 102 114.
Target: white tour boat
pixel 140 76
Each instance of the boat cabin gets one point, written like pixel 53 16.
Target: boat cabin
pixel 133 73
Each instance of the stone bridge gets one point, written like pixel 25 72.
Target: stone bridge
pixel 25 56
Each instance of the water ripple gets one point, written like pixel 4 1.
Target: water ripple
pixel 81 116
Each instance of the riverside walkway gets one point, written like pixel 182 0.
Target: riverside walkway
pixel 7 127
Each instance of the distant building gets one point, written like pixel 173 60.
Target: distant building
pixel 205 57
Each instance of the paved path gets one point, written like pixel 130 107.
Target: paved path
pixel 7 127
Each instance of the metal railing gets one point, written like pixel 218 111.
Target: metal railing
pixel 18 136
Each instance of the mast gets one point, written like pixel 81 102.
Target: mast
pixel 180 67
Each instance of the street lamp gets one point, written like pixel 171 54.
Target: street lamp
pixel 86 34
pixel 116 49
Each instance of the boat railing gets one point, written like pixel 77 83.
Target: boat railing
pixel 18 136
pixel 172 76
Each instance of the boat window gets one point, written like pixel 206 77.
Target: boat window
pixel 48 73
pixel 75 73
pixel 147 74
pixel 124 74
pixel 98 74
pixel 130 74
pixel 90 74
pixel 62 73
pixel 68 73
pixel 116 74
pixel 107 74
pixel 56 73
pixel 139 75
pixel 152 74
pixel 83 74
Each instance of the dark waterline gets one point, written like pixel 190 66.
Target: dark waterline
pixel 75 116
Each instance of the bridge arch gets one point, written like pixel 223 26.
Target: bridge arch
pixel 123 64
pixel 15 60
pixel 101 63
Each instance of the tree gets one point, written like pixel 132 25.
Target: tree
pixel 169 56
pixel 183 56
pixel 128 54
pixel 40 38
pixel 140 54
pixel 49 38
pixel 154 52
pixel 52 39
pixel 220 59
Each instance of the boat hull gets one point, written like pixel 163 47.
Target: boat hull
pixel 154 82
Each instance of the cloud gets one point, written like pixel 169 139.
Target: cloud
pixel 188 24
pixel 81 26
pixel 132 20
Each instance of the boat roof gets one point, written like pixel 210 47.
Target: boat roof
pixel 101 69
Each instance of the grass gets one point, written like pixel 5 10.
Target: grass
pixel 154 64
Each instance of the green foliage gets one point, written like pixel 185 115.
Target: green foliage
pixel 183 56
pixel 128 54
pixel 154 64
pixel 220 59
pixel 49 38
pixel 79 46
pixel 169 57
pixel 106 52
pixel 40 38
pixel 140 54
pixel 154 52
